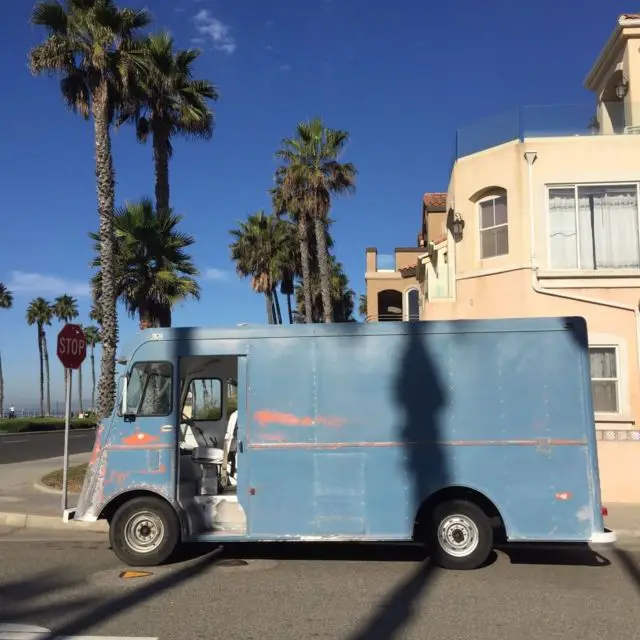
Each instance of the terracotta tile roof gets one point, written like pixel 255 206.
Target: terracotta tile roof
pixel 630 16
pixel 408 272
pixel 436 201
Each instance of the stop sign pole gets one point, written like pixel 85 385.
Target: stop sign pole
pixel 72 350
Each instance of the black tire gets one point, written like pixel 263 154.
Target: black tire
pixel 122 530
pixel 474 521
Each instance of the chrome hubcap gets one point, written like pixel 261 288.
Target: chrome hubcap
pixel 144 532
pixel 458 535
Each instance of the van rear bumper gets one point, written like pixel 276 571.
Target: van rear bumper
pixel 603 537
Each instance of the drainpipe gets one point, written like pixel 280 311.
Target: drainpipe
pixel 530 157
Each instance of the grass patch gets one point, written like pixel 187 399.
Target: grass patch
pixel 22 425
pixel 75 478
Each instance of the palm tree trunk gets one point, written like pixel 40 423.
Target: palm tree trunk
pixel 325 268
pixel 45 352
pixel 305 258
pixel 93 379
pixel 80 389
pixel 276 304
pixel 269 305
pixel 41 370
pixel 289 308
pixel 161 165
pixel 105 178
pixel 1 389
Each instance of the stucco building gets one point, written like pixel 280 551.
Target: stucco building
pixel 541 218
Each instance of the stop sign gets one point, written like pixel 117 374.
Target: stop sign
pixel 72 346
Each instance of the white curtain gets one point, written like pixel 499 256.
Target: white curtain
pixel 563 237
pixel 608 219
pixel 605 232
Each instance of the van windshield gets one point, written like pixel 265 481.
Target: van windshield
pixel 149 389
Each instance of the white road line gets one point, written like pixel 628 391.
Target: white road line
pixel 14 441
pixel 31 632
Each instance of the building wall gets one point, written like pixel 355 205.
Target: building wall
pixel 378 281
pixel 501 286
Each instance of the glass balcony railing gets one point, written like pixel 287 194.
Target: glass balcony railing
pixel 544 121
pixel 386 262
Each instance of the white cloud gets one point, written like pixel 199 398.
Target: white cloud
pixel 217 31
pixel 46 285
pixel 216 274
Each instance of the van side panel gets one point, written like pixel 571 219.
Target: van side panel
pixel 348 435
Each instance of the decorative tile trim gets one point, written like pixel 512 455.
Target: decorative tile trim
pixel 617 435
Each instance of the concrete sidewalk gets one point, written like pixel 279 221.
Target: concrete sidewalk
pixel 22 505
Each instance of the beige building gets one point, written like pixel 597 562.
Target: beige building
pixel 541 218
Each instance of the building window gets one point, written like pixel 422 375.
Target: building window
pixel 604 379
pixel 594 227
pixel 494 230
pixel 412 304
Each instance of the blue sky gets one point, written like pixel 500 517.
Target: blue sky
pixel 400 77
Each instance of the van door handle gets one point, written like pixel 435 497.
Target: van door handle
pixel 240 447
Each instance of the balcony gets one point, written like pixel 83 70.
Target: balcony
pixel 546 121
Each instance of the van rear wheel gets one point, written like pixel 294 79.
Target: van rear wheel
pixel 461 535
pixel 144 532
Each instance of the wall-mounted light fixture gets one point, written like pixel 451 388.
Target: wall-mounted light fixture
pixel 622 88
pixel 457 226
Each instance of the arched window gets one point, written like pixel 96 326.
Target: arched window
pixel 389 306
pixel 494 227
pixel 411 306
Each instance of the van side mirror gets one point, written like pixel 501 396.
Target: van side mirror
pixel 124 396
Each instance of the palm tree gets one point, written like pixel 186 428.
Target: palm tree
pixel 342 296
pixel 288 201
pixel 91 45
pixel 40 313
pixel 153 271
pixel 262 251
pixel 6 302
pixel 311 174
pixel 92 335
pixel 362 305
pixel 65 309
pixel 168 102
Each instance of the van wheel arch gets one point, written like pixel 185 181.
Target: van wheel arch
pixel 428 507
pixel 109 510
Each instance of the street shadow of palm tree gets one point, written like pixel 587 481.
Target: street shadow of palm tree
pixel 420 398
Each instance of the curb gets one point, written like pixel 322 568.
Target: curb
pixel 43 432
pixel 56 492
pixel 30 521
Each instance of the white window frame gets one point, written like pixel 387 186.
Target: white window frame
pixel 617 379
pixel 479 203
pixel 575 186
pixel 405 302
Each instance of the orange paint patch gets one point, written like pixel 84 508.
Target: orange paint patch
pixel 139 439
pixel 272 437
pixel 563 495
pixel 266 416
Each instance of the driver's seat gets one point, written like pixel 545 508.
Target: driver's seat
pixel 231 436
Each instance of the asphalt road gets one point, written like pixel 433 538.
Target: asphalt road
pixel 20 447
pixel 73 587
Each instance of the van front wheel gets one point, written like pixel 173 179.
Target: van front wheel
pixel 461 535
pixel 144 532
